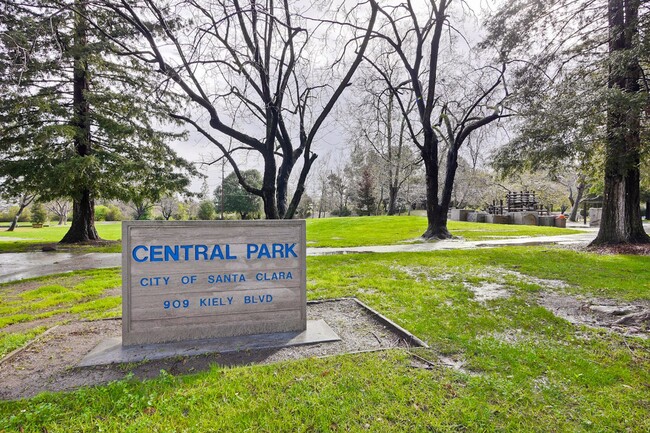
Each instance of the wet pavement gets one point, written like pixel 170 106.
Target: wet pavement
pixel 18 266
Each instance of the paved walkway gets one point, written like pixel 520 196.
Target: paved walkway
pixel 18 266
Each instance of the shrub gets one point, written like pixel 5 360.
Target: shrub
pixel 113 213
pixel 206 211
pixel 344 212
pixel 100 213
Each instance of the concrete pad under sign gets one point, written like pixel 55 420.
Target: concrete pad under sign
pixel 111 351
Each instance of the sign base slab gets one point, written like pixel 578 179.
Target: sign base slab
pixel 111 351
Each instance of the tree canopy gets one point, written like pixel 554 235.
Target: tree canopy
pixel 232 197
pixel 583 93
pixel 254 76
pixel 76 120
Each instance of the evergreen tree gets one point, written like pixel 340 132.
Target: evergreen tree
pixel 582 83
pixel 236 198
pixel 39 213
pixel 366 201
pixel 206 210
pixel 76 120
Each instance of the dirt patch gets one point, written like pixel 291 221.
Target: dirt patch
pixel 48 363
pixel 510 336
pixel 488 291
pixel 627 319
pixel 21 327
pixel 638 250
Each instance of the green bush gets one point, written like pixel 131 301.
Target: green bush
pixel 113 213
pixel 7 216
pixel 206 211
pixel 344 212
pixel 181 213
pixel 100 213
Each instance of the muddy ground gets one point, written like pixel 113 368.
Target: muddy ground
pixel 49 363
pixel 631 319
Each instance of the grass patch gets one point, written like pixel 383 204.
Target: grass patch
pixel 79 295
pixel 525 369
pixel 388 230
pixel 12 341
pixel 325 232
pixel 27 238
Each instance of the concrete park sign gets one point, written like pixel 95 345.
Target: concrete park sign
pixel 189 280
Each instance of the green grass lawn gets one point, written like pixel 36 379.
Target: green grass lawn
pixel 26 238
pixel 525 370
pixel 388 230
pixel 326 232
pixel 78 295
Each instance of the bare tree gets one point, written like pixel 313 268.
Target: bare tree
pixel 264 59
pixel 60 208
pixel 452 99
pixel 378 125
pixel 168 205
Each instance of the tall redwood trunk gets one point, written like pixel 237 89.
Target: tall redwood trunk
pixel 82 228
pixel 621 218
pixel 83 221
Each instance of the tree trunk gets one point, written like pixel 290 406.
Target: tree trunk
pixel 282 182
pixel 392 200
pixel 437 224
pixel 647 209
pixel 25 201
pixel 621 218
pixel 14 221
pixel 576 203
pixel 82 228
pixel 436 214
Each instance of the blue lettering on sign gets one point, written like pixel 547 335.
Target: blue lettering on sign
pixel 215 302
pixel 226 278
pixel 275 251
pixel 186 250
pixel 200 251
pixel 272 276
pixel 171 252
pixel 154 281
pixel 135 253
pixel 175 253
pixel 258 299
pixel 176 303
pixel 156 253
